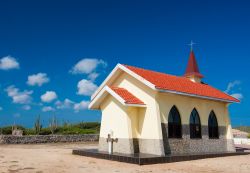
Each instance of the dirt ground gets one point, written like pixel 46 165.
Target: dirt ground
pixel 57 158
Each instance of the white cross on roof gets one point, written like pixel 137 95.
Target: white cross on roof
pixel 191 44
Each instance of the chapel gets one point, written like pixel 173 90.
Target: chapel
pixel 156 113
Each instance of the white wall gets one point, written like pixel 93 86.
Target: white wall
pixel 149 126
pixel 238 141
pixel 114 117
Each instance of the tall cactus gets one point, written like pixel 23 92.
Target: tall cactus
pixel 53 124
pixel 38 125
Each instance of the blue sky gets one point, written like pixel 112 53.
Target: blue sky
pixel 43 44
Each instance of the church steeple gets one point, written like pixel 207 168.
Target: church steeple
pixel 192 70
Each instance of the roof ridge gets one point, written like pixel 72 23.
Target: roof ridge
pixel 180 84
pixel 181 77
pixel 152 70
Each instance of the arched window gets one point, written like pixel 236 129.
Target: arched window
pixel 174 123
pixel 213 126
pixel 195 125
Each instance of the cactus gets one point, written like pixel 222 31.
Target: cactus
pixel 53 125
pixel 38 125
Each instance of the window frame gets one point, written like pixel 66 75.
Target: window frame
pixel 175 126
pixel 213 129
pixel 194 125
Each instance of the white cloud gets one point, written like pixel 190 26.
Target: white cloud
pixel 86 87
pixel 233 89
pixel 81 106
pixel 26 107
pixel 47 109
pixel 17 96
pixel 238 96
pixel 93 76
pixel 87 66
pixel 37 79
pixel 231 85
pixel 49 96
pixel 66 104
pixel 8 62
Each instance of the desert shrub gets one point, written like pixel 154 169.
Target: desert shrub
pixel 7 130
pixel 20 127
pixel 88 125
pixel 74 130
pixel 45 131
pixel 65 128
pixel 29 132
pixel 243 128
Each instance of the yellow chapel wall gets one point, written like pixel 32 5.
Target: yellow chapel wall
pixel 114 117
pixel 149 122
pixel 129 124
pixel 186 104
pixel 119 119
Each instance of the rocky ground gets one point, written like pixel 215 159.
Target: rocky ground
pixel 57 158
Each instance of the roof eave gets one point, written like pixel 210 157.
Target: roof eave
pixel 135 105
pixel 197 96
pixel 117 67
pixel 151 85
pixel 94 102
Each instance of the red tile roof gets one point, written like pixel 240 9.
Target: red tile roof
pixel 192 67
pixel 180 84
pixel 127 96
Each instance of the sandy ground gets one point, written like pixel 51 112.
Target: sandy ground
pixel 57 158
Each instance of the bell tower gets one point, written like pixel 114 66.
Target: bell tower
pixel 192 70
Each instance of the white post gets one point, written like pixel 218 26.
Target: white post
pixel 110 149
pixel 110 141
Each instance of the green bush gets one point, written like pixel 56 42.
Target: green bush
pixel 7 130
pixel 45 131
pixel 65 129
pixel 88 125
pixel 74 130
pixel 29 132
pixel 243 128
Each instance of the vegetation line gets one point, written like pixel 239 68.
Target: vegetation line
pixel 55 128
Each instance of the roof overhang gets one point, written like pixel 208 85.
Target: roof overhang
pixel 194 95
pixel 115 72
pixel 121 68
pixel 95 103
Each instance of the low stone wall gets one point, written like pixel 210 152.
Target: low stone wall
pixel 35 139
pixel 186 145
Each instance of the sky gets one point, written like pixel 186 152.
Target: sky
pixel 54 54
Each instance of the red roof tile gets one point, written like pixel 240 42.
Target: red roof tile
pixel 180 84
pixel 127 96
